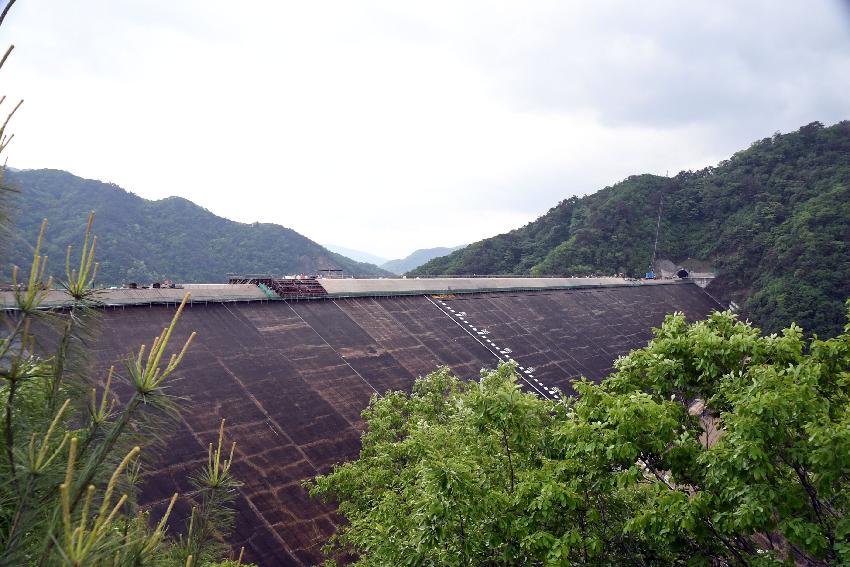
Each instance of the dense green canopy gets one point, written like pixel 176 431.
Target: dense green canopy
pixel 773 220
pixel 712 445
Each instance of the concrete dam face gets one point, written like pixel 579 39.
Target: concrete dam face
pixel 291 378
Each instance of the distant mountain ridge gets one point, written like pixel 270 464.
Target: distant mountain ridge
pixel 774 220
pixel 356 255
pixel 141 240
pixel 417 258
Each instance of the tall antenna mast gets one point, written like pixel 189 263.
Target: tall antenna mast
pixel 658 227
pixel 657 230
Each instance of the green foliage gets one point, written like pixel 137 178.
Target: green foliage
pixel 144 241
pixel 215 489
pixel 774 220
pixel 712 445
pixel 68 448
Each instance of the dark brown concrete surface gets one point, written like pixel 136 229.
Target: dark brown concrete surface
pixel 566 335
pixel 292 378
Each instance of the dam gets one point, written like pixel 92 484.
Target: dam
pixel 292 375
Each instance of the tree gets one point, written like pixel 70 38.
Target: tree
pixel 712 445
pixel 68 448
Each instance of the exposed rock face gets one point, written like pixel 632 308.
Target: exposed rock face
pixel 291 378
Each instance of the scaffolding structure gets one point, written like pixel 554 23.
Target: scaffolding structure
pixel 295 287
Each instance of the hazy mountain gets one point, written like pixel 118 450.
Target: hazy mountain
pixel 416 259
pixel 141 240
pixel 357 255
pixel 774 220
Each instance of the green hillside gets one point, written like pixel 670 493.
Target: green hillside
pixel 142 241
pixel 773 221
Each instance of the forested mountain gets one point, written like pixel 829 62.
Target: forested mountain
pixel 773 220
pixel 416 259
pixel 142 241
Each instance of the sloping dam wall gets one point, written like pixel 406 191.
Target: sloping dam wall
pixel 291 378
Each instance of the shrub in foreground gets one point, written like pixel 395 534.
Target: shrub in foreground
pixel 712 445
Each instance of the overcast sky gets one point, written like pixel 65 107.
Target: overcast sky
pixel 390 126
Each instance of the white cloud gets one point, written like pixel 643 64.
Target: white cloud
pixel 390 126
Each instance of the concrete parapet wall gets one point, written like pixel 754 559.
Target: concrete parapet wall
pixel 110 297
pixel 438 286
pixel 336 288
